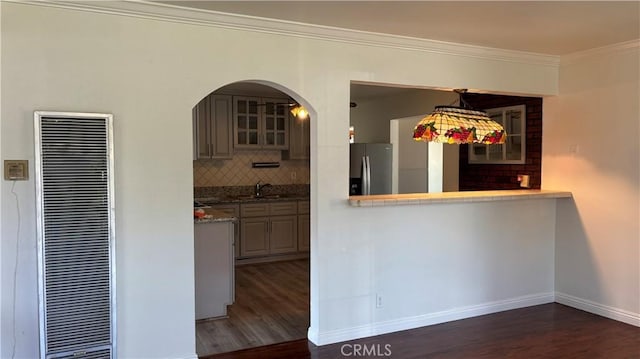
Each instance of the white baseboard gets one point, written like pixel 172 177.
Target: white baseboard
pixel 599 309
pixel 340 335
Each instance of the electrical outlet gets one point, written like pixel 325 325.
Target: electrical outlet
pixel 378 300
pixel 573 148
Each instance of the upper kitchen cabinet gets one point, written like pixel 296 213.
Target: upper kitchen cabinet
pixel 246 122
pixel 298 139
pixel 260 123
pixel 213 128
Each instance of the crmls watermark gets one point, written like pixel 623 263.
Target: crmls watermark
pixel 366 350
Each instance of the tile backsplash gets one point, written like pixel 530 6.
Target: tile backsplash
pixel 238 171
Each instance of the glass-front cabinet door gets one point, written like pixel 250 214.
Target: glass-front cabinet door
pixel 247 116
pixel 276 123
pixel 261 123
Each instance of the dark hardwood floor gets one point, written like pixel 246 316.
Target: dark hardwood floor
pixel 271 306
pixel 543 331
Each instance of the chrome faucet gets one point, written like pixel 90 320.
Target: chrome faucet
pixel 259 188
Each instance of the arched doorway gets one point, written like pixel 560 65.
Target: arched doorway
pixel 252 162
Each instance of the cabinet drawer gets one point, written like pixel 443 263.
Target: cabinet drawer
pixel 303 207
pixel 283 208
pixel 254 210
pixel 231 209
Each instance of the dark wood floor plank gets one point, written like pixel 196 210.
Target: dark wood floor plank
pixel 551 331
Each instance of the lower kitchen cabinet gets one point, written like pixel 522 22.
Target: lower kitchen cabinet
pixel 268 228
pixel 304 226
pixel 283 234
pixel 304 231
pixel 254 236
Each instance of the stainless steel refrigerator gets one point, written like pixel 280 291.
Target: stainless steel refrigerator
pixel 370 168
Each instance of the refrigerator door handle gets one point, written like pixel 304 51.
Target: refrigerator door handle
pixel 363 176
pixel 368 176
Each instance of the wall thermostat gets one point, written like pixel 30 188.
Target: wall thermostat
pixel 16 170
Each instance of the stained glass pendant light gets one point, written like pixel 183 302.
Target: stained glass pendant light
pixel 458 125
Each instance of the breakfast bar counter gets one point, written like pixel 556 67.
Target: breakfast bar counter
pixel 453 197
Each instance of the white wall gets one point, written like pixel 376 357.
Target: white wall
pixel 149 73
pixel 451 168
pixel 372 115
pixel 434 263
pixel 409 157
pixel 444 167
pixel 412 163
pixel 591 136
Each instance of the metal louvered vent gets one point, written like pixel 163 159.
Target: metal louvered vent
pixel 76 266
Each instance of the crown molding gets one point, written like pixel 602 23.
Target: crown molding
pixel 178 14
pixel 599 51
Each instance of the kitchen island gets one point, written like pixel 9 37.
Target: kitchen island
pixel 214 264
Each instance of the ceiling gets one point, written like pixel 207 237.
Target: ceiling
pixel 552 27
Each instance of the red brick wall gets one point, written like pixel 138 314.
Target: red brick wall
pixel 475 177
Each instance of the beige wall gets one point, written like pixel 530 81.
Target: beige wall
pixel 239 172
pixel 591 148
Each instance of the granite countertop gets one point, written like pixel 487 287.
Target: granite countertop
pixel 252 199
pixel 213 215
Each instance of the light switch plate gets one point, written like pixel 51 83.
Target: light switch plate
pixel 16 170
pixel 524 181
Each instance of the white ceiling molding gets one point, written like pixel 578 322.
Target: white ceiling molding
pixel 171 13
pixel 605 50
